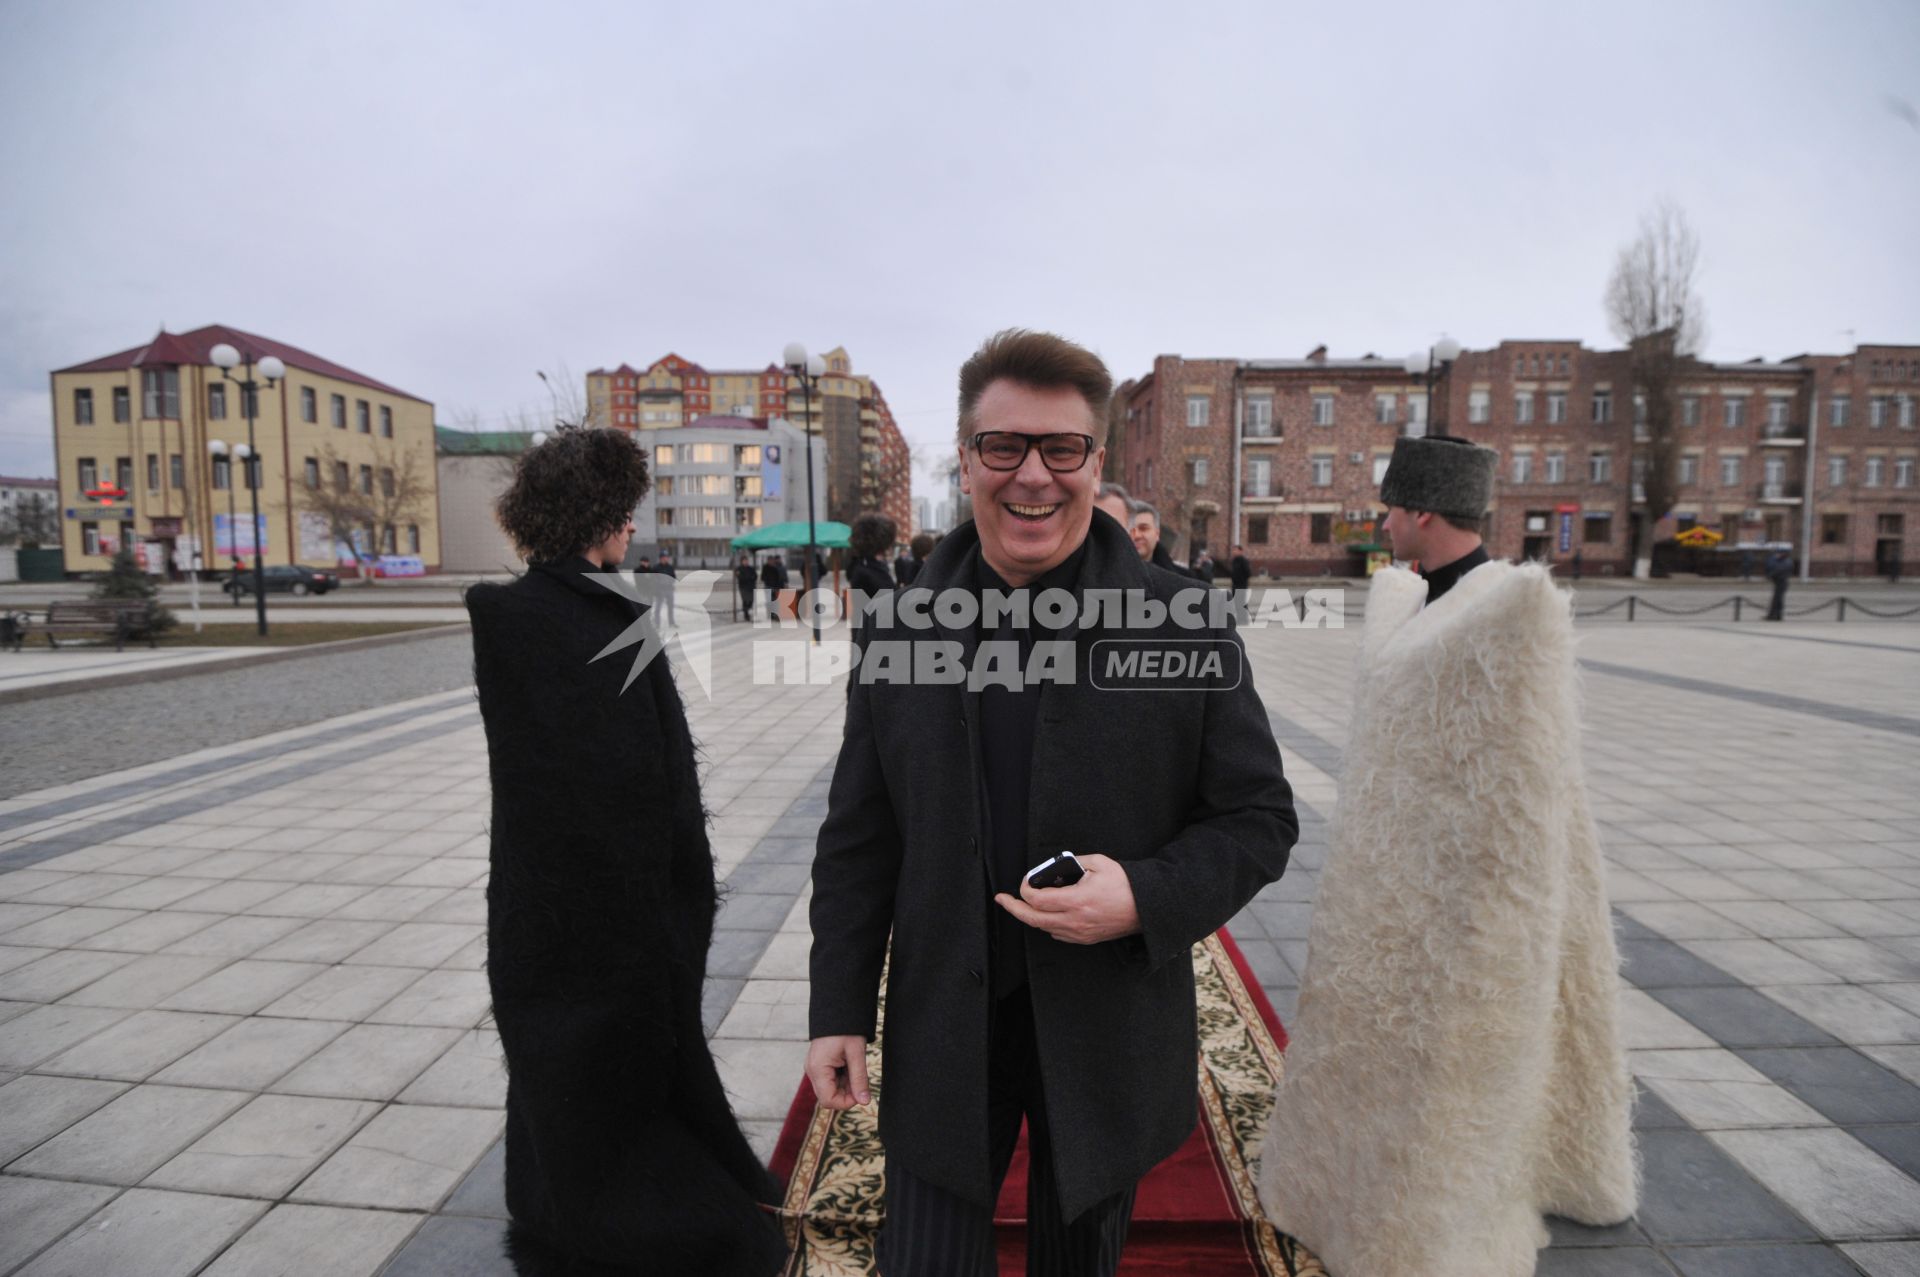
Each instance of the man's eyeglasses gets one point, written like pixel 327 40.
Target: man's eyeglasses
pixel 1007 450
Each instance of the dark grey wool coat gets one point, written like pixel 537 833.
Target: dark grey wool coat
pixel 623 1155
pixel 1185 787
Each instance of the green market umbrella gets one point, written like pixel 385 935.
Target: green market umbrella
pixel 826 534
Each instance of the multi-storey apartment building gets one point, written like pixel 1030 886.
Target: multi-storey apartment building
pixel 719 477
pixel 869 465
pixel 1816 452
pixel 133 435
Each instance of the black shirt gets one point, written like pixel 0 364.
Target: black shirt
pixel 1007 719
pixel 1447 575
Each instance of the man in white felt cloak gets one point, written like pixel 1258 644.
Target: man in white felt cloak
pixel 1456 1069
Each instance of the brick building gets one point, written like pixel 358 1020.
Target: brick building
pixel 1817 452
pixel 869 466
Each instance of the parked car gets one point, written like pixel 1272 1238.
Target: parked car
pixel 285 580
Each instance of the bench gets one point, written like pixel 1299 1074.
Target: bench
pixel 118 619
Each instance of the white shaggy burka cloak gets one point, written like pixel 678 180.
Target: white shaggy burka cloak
pixel 1456 1067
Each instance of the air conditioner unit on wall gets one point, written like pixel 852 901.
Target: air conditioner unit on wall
pixel 1358 516
pixel 1356 457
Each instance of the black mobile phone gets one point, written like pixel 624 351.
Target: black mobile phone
pixel 1062 870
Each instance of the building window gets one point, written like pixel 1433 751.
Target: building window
pixel 1523 408
pixel 1733 413
pixel 1905 403
pixel 222 473
pixel 1323 410
pixel 1479 406
pixel 313 472
pixel 413 537
pixel 1836 472
pixel 216 402
pixel 1260 416
pixel 746 456
pixel 1689 410
pixel 1903 472
pixel 1149 476
pixel 1833 529
pixel 153 472
pixel 309 404
pixel 1639 409
pixel 663 454
pixel 83 407
pixel 386 422
pixel 1556 408
pixel 389 543
pixel 1523 467
pixel 88 472
pixel 1599 467
pixel 1383 408
pixel 1197 408
pixel 1257 529
pixel 1380 463
pixel 340 476
pixel 123 473
pixel 1877 411
pixel 1322 472
pixel 363 416
pixel 160 394
pixel 122 404
pixel 1729 472
pixel 1689 471
pixel 1197 471
pixel 386 481
pixel 1597 529
pixel 1876 472
pixel 366 480
pixel 177 470
pixel 1259 477
pixel 1602 405
pixel 337 410
pixel 89 538
pixel 1839 410
pixel 1320 529
pixel 1777 413
pixel 1556 467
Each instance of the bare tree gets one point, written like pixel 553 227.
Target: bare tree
pixel 1652 306
pixel 32 522
pixel 571 411
pixel 364 505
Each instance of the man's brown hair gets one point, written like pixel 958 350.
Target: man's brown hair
pixel 1042 361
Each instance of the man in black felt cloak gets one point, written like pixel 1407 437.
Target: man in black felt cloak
pixel 623 1155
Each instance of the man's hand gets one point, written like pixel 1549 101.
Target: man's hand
pixel 1098 907
pixel 837 1067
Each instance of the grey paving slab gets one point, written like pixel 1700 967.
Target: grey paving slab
pixel 484 1191
pixel 34 1109
pixel 1760 1261
pixel 139 1046
pixel 471 1073
pixel 1861 961
pixel 1635 1261
pixel 342 993
pixel 1842 1083
pixel 151 932
pixel 13 956
pixel 1692 1191
pixel 265 1148
pixel 450 1244
pixel 1736 1016
pixel 409 1157
pixel 234 937
pixel 1661 964
pixel 37 1211
pixel 1714 1090
pixel 146 1233
pixel 448 999
pixel 1885 1259
pixel 368 1061
pixel 418 944
pixel 1898 1143
pixel 1837 1183
pixel 1759 961
pixel 243 987
pixel 60 972
pixel 1853 1013
pixel 325 940
pixel 145 981
pixel 252 1054
pixel 132 1135
pixel 294 1241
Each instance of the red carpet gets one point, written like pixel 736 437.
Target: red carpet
pixel 1196 1213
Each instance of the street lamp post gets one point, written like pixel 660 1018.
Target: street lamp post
pixel 218 447
pixel 226 358
pixel 1433 365
pixel 808 369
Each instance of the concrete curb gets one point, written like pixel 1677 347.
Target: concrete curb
pixel 268 656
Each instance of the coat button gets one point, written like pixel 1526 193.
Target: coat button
pixel 974 973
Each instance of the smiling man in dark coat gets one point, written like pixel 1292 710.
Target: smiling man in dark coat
pixel 1071 1006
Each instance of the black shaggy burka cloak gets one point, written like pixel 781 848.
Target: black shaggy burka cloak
pixel 623 1155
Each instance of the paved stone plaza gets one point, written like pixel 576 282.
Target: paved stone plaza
pixel 243 1011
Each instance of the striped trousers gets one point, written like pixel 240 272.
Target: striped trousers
pixel 931 1232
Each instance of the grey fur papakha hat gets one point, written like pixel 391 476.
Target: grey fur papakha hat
pixel 1441 474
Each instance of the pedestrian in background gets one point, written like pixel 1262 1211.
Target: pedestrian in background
pixel 623 1154
pixel 744 576
pixel 1779 570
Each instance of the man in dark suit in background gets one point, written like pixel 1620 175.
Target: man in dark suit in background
pixel 1071 1006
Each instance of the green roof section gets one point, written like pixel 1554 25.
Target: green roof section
pixel 481 442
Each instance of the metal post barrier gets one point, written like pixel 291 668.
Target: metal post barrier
pixel 1631 600
pixel 1737 600
pixel 1843 607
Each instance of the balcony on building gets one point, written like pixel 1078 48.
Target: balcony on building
pixel 1783 436
pixel 1777 493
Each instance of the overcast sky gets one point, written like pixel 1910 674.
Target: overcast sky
pixel 449 196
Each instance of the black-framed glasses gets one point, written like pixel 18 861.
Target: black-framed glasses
pixel 1007 450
